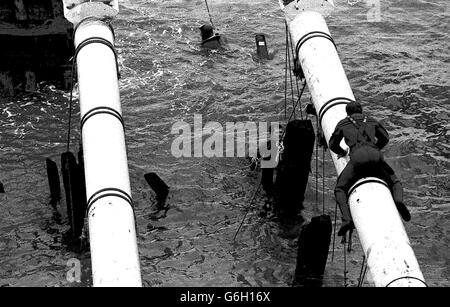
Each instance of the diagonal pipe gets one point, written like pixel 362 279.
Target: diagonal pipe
pixel 389 255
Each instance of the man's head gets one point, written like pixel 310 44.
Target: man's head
pixel 207 31
pixel 353 107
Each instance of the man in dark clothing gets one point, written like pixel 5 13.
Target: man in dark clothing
pixel 365 137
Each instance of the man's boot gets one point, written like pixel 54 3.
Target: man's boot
pixel 347 222
pixel 397 194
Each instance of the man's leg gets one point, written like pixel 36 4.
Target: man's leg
pixel 340 192
pixel 396 189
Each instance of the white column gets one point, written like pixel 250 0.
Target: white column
pixel 114 253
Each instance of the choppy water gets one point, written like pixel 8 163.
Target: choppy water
pixel 398 67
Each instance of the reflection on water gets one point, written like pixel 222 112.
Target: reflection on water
pixel 397 68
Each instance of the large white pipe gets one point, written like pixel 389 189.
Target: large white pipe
pixel 112 232
pixel 383 238
pixel 391 260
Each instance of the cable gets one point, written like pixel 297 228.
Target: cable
pixel 362 273
pixel 296 77
pixel 210 18
pixel 323 179
pixel 350 240
pixel 334 232
pixel 344 240
pixel 290 79
pixel 285 73
pixel 70 103
pixel 301 93
pixel 317 164
pixel 248 209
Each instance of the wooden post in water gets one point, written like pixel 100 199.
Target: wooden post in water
pixel 112 233
pixel 390 258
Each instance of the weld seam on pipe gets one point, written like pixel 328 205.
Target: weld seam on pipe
pixel 101 41
pixel 331 103
pixel 102 110
pixel 111 192
pixel 109 195
pixel 367 180
pixel 407 277
pixel 310 35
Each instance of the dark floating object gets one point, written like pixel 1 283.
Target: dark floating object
pixel 53 182
pixel 207 32
pixel 75 193
pixel 311 110
pixel 267 180
pixel 261 47
pixel 253 164
pixel 159 186
pixel 267 173
pixel 209 39
pixel 2 189
pixel 294 167
pixel 313 245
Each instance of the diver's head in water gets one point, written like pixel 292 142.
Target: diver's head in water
pixel 207 31
pixel 353 107
pixel 210 40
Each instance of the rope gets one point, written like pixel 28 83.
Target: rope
pixel 70 104
pixel 290 79
pixel 323 180
pixel 285 73
pixel 248 209
pixel 209 14
pixel 292 113
pixel 296 79
pixel 299 92
pixel 344 239
pixel 362 273
pixel 334 232
pixel 317 165
pixel 319 133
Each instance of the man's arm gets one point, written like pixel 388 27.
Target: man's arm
pixel 382 136
pixel 335 140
